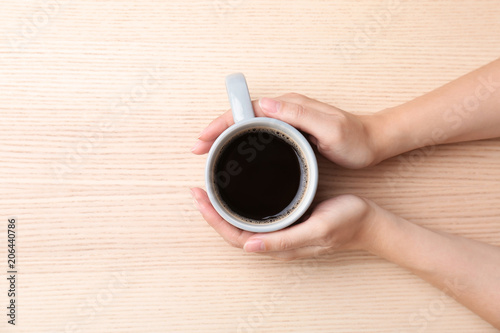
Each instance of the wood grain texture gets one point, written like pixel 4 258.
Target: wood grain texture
pixel 100 104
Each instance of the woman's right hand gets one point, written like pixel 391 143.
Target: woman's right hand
pixel 343 222
pixel 346 139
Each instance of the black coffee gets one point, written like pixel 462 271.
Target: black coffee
pixel 260 175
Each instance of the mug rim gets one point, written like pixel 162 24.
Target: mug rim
pixel 310 159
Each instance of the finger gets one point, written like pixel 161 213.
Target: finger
pixel 230 233
pixel 217 126
pixel 306 119
pixel 307 102
pixel 221 123
pixel 201 147
pixel 294 237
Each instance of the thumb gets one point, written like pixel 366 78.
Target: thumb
pixel 307 120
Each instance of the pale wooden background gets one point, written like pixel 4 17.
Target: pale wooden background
pixel 122 206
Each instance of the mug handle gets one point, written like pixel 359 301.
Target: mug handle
pixel 239 97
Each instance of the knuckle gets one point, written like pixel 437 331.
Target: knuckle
pixel 326 143
pixel 325 240
pixel 284 243
pixel 359 204
pixel 339 132
pixel 240 240
pixel 234 244
pixel 325 236
pixel 341 118
pixel 353 198
pixel 299 111
pixel 295 97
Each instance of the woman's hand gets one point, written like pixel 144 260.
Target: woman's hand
pixel 339 223
pixel 345 139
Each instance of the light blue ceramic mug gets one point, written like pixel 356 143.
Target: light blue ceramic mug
pixel 245 120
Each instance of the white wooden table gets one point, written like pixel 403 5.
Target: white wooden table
pixel 101 101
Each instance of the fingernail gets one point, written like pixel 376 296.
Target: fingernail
pixel 269 105
pixel 195 201
pixel 196 204
pixel 254 245
pixel 196 145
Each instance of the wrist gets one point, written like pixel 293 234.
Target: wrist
pixel 388 134
pixel 370 221
pixel 379 228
